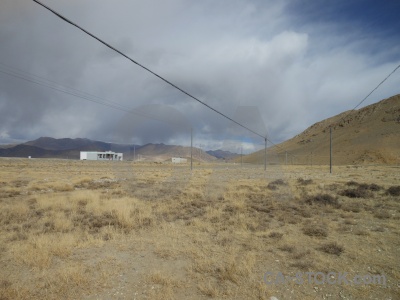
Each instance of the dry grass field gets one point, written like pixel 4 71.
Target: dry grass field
pixel 100 230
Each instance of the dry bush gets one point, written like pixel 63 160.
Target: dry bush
pixel 8 192
pixel 352 183
pixel 393 190
pixel 305 212
pixel 163 279
pixel 315 230
pixel 365 186
pixel 303 264
pixel 15 213
pixel 276 235
pixel 331 248
pixel 352 207
pixel 324 199
pixel 373 187
pixel 38 251
pixel 356 193
pixel 350 222
pixel 287 248
pixel 19 183
pixel 275 184
pixel 382 214
pixel 300 254
pixel 361 232
pixel 61 187
pixel 83 182
pixel 9 291
pixel 208 289
pixel 344 228
pixel 302 181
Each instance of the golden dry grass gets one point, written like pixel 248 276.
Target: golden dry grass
pixel 100 230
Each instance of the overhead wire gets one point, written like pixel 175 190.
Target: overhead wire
pixel 51 84
pixel 182 90
pixel 349 112
pixel 369 94
pixel 147 69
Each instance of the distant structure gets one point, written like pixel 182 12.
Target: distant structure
pixel 178 160
pixel 108 155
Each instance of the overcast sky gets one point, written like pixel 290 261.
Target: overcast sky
pixel 275 66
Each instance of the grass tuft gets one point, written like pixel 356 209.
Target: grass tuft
pixel 332 248
pixel 276 235
pixel 302 181
pixel 316 231
pixel 393 190
pixel 324 199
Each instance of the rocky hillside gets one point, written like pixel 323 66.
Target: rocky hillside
pixel 370 135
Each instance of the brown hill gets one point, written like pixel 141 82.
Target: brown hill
pixel 162 152
pixel 370 135
pixel 47 147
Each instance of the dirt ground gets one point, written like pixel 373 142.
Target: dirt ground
pixel 123 230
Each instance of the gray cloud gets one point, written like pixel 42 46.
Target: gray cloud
pixel 294 69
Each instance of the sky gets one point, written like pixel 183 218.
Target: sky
pixel 276 67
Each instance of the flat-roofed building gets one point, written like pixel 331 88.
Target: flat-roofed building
pixel 95 155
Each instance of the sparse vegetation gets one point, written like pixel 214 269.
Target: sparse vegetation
pixel 332 248
pixel 382 214
pixel 356 193
pixel 276 183
pixel 302 181
pixel 315 230
pixel 324 199
pixel 275 235
pixel 73 231
pixel 394 190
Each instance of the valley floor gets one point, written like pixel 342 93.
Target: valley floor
pixel 118 230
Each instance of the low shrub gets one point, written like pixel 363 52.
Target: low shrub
pixel 382 214
pixel 274 184
pixel 356 193
pixel 324 199
pixel 352 183
pixel 332 248
pixel 304 181
pixel 278 182
pixel 276 235
pixel 394 190
pixel 370 187
pixel 317 231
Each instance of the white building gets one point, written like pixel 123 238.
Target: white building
pixel 178 160
pixel 108 155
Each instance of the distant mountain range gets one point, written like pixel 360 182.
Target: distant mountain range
pixel 221 154
pixel 47 147
pixel 370 135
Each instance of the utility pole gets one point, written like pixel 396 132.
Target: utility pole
pixel 311 159
pixel 285 157
pixel 330 150
pixel 241 156
pixel 134 153
pixel 265 155
pixel 191 149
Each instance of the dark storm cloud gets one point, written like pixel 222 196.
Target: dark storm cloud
pixel 293 66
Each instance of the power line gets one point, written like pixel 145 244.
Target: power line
pixel 370 93
pixel 147 69
pixel 39 80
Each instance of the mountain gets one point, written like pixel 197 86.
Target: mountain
pixel 162 152
pixel 47 147
pixel 370 135
pixel 221 154
pixel 49 143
